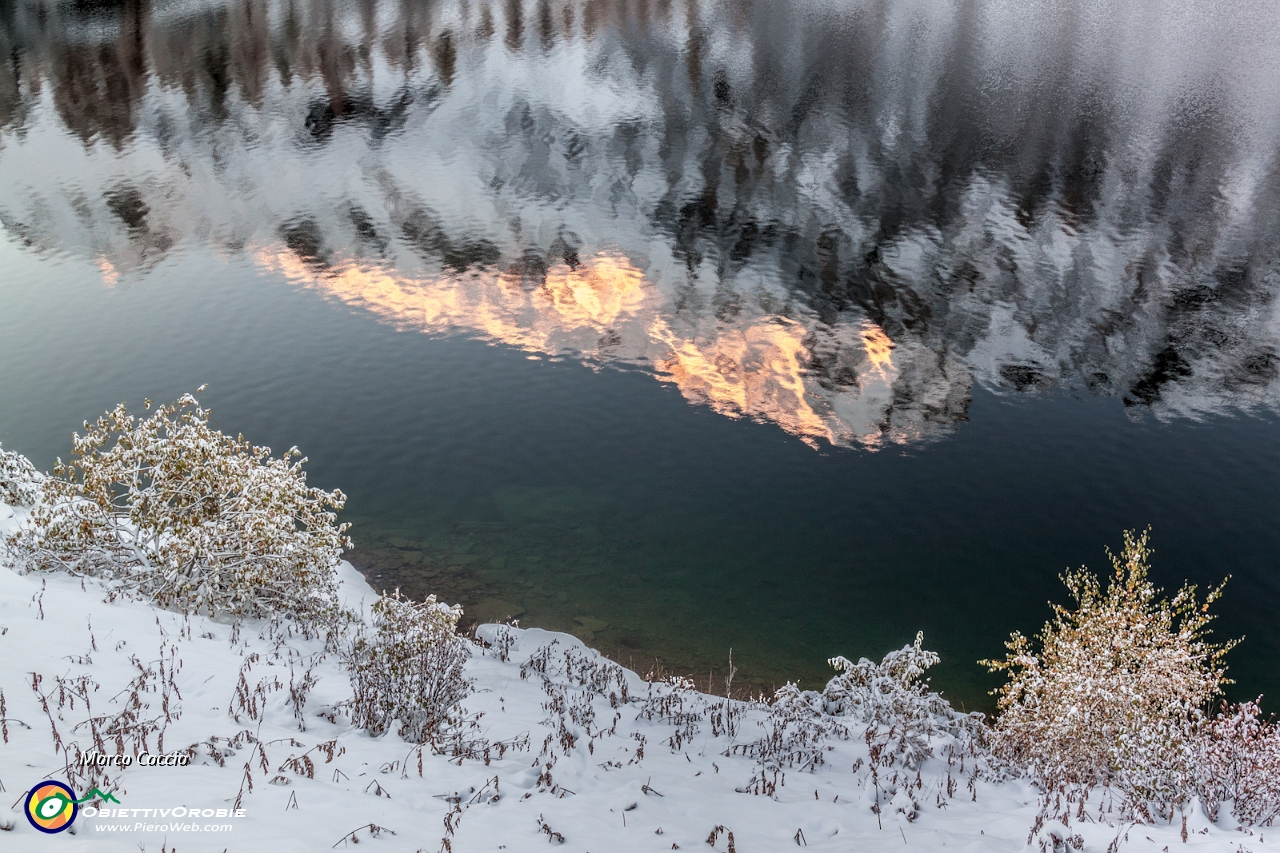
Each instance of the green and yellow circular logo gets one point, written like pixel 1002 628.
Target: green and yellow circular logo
pixel 51 806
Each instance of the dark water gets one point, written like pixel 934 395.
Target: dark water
pixel 786 327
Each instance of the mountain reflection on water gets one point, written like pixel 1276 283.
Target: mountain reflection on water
pixel 836 217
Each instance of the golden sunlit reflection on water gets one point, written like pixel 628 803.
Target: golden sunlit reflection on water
pixel 605 311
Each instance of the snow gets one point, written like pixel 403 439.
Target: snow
pixel 603 797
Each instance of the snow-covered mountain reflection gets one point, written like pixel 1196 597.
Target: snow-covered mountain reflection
pixel 836 217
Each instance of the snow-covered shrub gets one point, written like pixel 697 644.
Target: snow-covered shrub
pixel 1239 765
pixel 1117 690
pixel 796 732
pixel 19 480
pixel 893 698
pixel 597 674
pixel 584 668
pixel 676 702
pixel 902 719
pixel 170 508
pixel 409 670
pixel 1054 836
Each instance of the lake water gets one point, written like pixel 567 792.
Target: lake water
pixel 786 327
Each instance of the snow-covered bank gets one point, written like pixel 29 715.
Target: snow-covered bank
pixel 626 772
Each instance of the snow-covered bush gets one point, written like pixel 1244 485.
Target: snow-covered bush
pixel 19 480
pixel 676 702
pixel 796 732
pixel 170 508
pixel 893 698
pixel 1239 765
pixel 901 718
pixel 410 670
pixel 1116 693
pixel 877 692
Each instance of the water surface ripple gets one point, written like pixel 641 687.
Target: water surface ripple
pixel 1025 250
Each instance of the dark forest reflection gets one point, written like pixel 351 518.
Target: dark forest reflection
pixel 834 217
